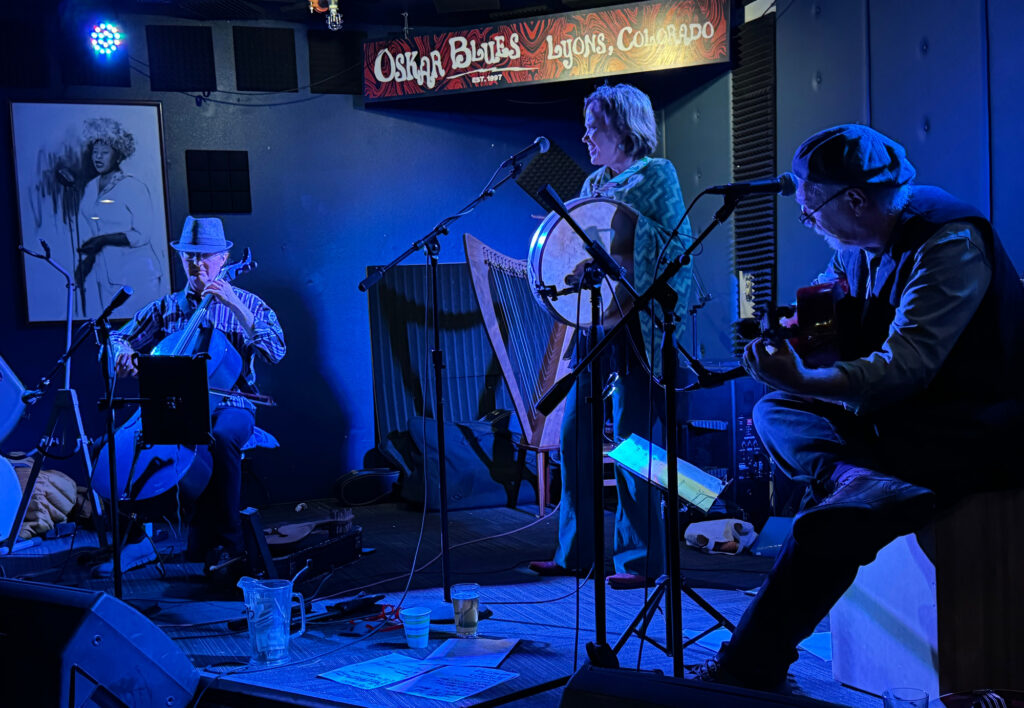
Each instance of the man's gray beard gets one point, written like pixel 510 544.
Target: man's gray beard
pixel 836 245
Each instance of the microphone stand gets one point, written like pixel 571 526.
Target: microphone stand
pixel 102 329
pixel 602 264
pixel 432 245
pixel 66 401
pixel 661 291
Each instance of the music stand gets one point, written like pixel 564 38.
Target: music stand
pixel 175 400
pixel 694 486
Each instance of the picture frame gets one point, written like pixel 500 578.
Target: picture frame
pixel 90 184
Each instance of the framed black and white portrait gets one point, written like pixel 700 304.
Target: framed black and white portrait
pixel 90 181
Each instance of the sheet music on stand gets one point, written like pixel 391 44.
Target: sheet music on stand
pixel 695 486
pixel 176 400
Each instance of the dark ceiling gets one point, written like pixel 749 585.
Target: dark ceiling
pixel 384 18
pixel 422 13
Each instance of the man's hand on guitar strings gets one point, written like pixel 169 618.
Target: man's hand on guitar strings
pixel 776 366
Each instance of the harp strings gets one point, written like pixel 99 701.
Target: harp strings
pixel 525 327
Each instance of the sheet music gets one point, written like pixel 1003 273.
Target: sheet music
pixel 695 486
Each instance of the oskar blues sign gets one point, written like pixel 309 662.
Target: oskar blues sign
pixel 623 39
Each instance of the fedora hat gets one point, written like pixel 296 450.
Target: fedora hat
pixel 204 235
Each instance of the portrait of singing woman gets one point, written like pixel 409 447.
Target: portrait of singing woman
pixel 115 221
pixel 91 186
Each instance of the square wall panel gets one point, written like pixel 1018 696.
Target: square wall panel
pixel 181 58
pixel 264 59
pixel 218 181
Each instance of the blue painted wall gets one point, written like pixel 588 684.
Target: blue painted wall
pixel 698 141
pixel 939 76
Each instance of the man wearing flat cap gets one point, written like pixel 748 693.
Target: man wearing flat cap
pixel 923 407
pixel 253 330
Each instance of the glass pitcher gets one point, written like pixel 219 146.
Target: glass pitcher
pixel 268 608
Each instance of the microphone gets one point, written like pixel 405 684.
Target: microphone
pixel 555 395
pixel 711 379
pixel 119 299
pixel 784 184
pixel 541 144
pixel 32 395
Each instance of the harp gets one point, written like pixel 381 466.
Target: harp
pixel 529 344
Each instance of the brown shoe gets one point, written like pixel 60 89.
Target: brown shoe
pixel 629 581
pixel 550 568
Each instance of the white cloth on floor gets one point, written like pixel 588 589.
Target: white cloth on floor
pixel 721 535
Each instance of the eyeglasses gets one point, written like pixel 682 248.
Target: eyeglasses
pixel 807 217
pixel 198 257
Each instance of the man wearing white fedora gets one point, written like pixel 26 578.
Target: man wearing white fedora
pixel 252 328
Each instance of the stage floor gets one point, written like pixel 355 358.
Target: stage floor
pixel 552 618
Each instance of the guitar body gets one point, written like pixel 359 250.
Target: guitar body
pixel 820 318
pixel 144 472
pixel 820 325
pixel 285 538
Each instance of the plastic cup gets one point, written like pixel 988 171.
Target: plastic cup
pixel 416 621
pixel 466 607
pixel 905 698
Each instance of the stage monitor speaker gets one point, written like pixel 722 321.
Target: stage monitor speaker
pixel 71 648
pixel 593 687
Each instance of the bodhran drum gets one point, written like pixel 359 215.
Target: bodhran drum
pixel 557 256
pixel 10 497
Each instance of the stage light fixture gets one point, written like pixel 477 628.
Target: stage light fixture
pixel 334 18
pixel 106 37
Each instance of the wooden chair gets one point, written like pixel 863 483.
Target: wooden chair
pixel 949 619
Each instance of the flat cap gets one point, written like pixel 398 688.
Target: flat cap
pixel 853 155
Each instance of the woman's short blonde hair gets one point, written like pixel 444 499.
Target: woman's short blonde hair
pixel 629 113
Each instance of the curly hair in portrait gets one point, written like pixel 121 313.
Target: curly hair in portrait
pixel 629 112
pixel 110 133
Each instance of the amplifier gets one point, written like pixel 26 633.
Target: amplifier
pixel 719 438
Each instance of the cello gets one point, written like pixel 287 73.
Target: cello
pixel 144 471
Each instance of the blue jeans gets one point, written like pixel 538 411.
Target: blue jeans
pixel 217 520
pixel 638 543
pixel 807 438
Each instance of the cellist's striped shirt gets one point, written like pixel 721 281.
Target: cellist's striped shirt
pixel 171 313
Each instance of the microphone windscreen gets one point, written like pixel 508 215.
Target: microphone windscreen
pixel 787 183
